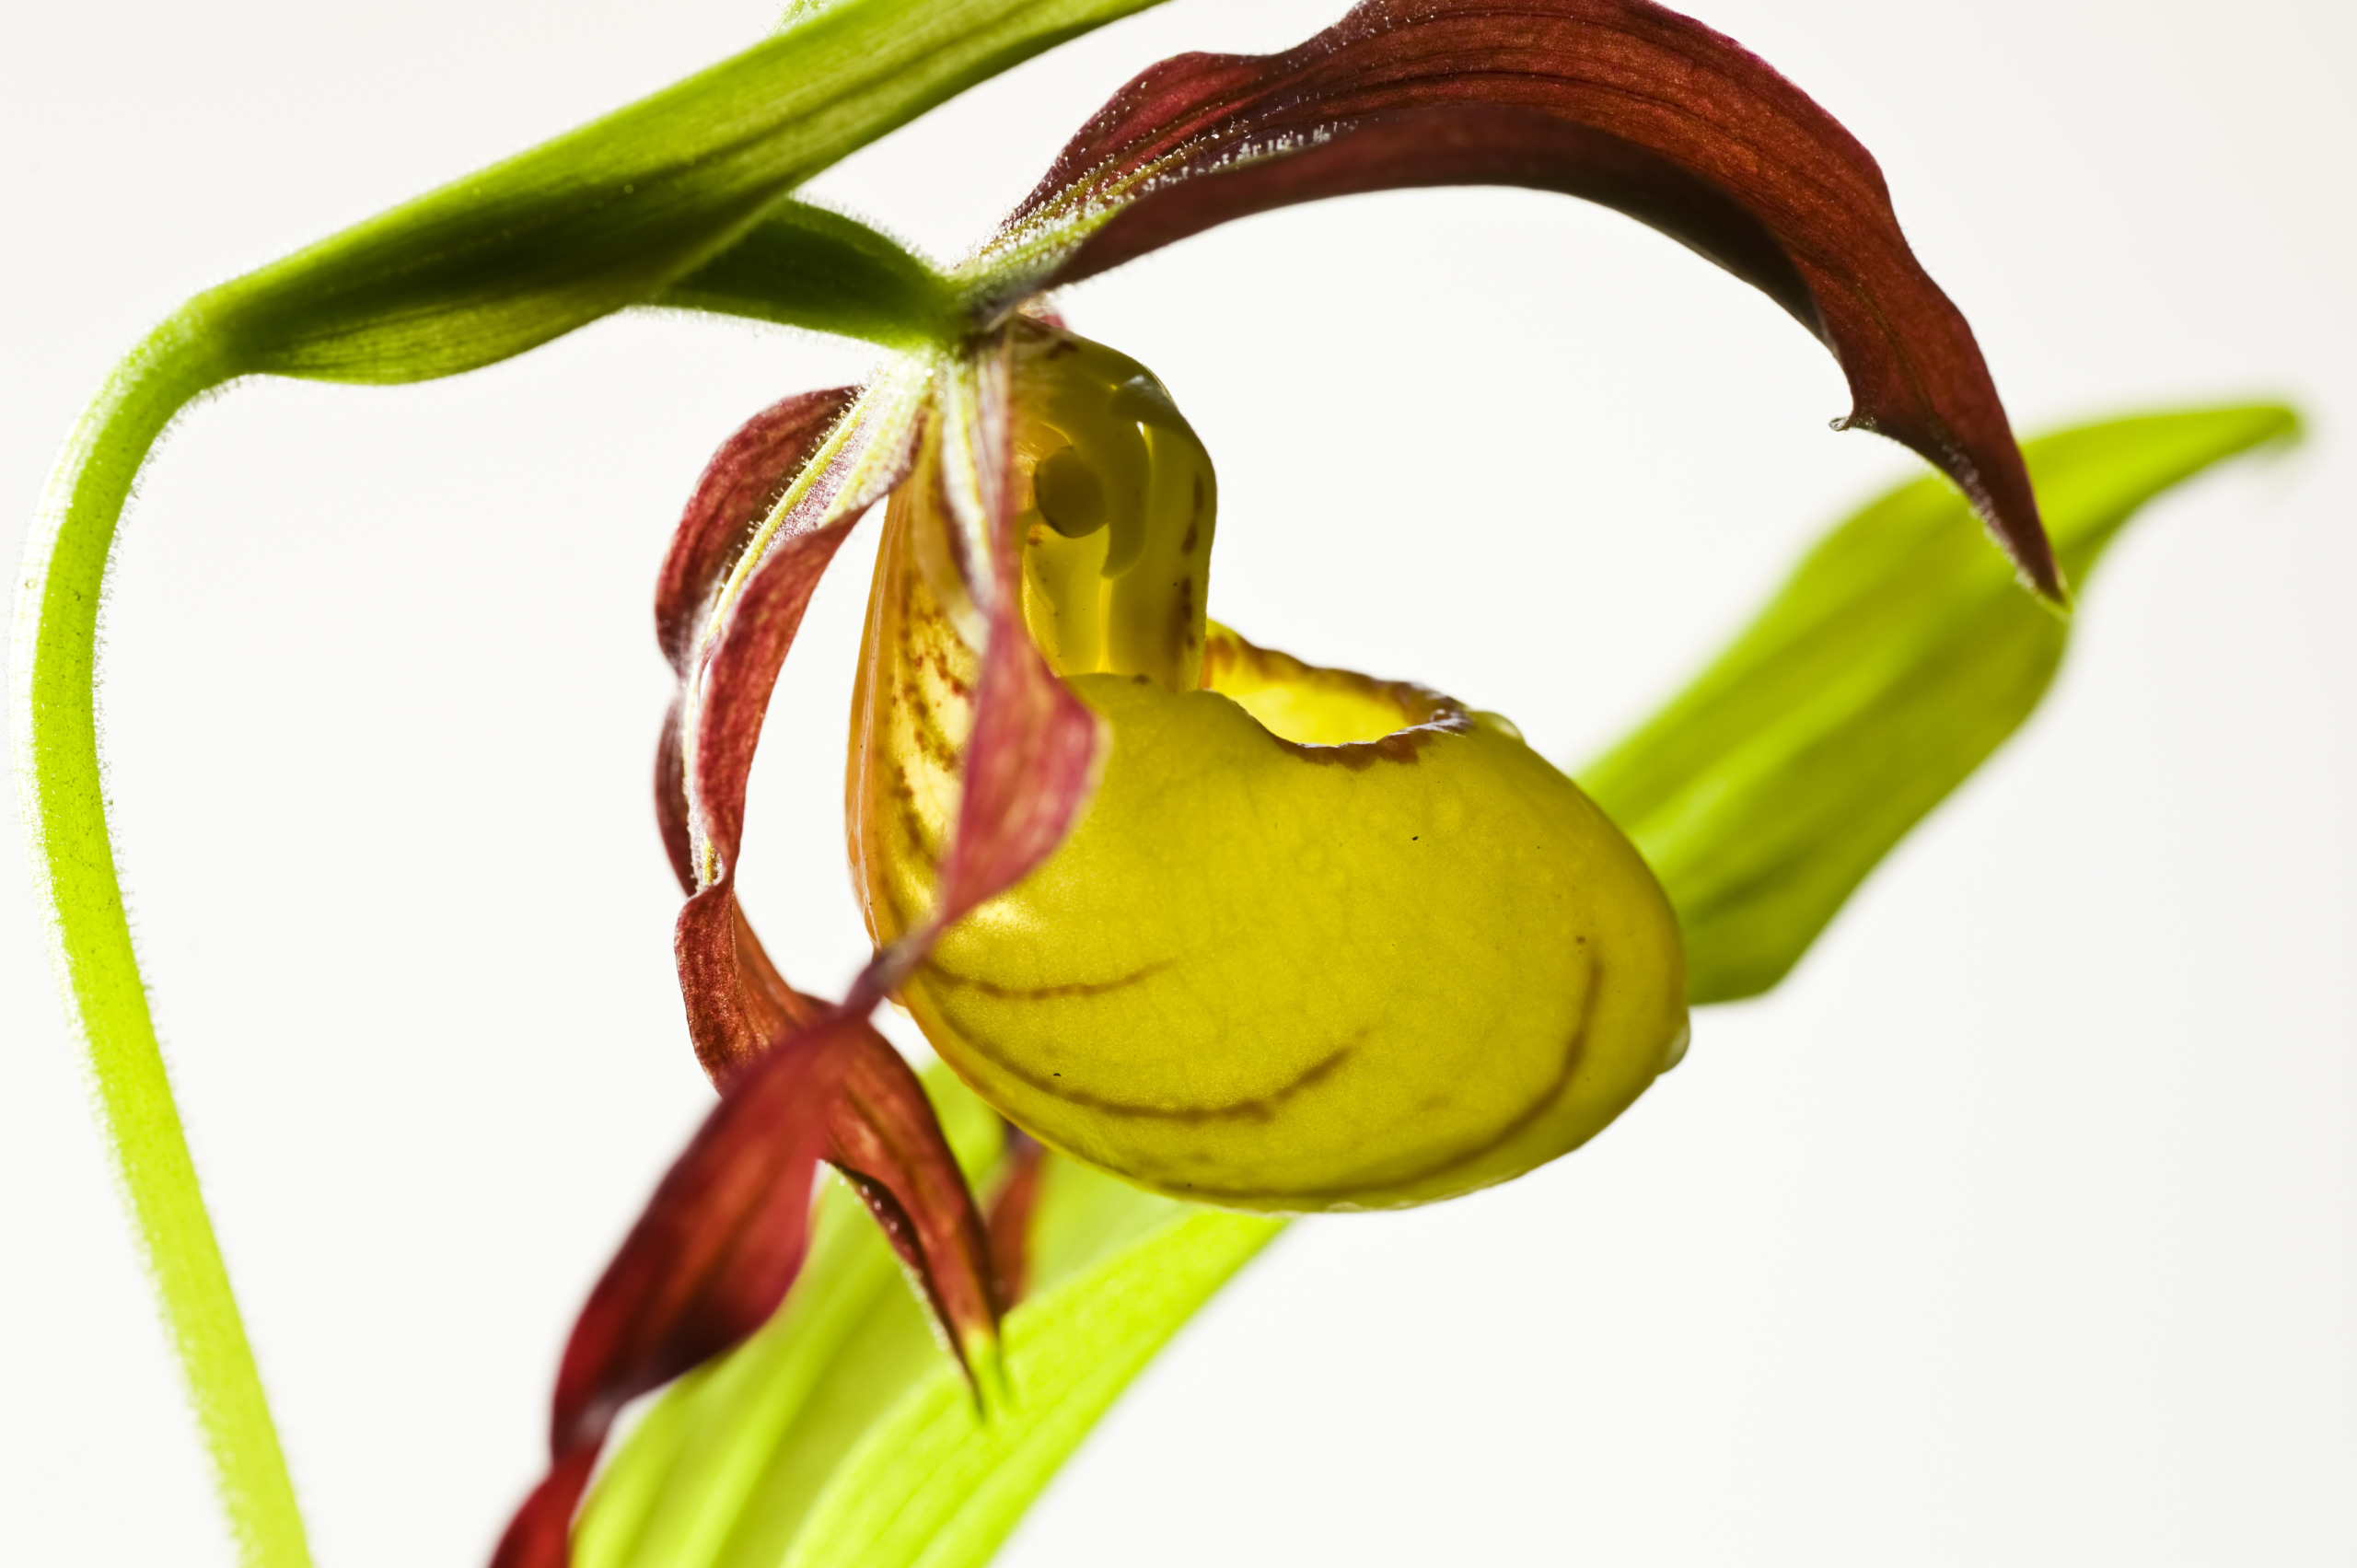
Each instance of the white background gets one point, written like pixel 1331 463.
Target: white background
pixel 2020 1226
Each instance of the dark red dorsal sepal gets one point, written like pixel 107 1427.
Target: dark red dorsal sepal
pixel 1619 101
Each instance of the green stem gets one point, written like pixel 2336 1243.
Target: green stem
pixel 63 797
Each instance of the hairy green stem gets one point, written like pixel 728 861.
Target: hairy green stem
pixel 680 199
pixel 61 795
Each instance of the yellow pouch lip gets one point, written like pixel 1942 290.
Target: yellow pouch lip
pixel 1324 713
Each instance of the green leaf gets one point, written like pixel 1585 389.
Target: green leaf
pixel 1895 660
pixel 937 1484
pixel 804 266
pixel 614 214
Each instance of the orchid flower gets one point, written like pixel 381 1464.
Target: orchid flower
pixel 1224 925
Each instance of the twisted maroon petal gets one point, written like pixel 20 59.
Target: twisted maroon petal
pixel 1010 1218
pixel 737 1003
pixel 1035 751
pixel 885 1139
pixel 705 1265
pixel 744 480
pixel 1030 765
pixel 1619 101
pixel 721 1241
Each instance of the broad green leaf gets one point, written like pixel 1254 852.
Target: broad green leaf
pixel 1899 655
pixel 938 1484
pixel 1897 658
pixel 611 214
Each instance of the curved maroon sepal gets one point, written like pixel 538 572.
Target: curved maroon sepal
pixel 887 1141
pixel 1619 101
pixel 741 671
pixel 724 1236
pixel 731 649
pixel 744 480
pixel 541 1533
pixel 1016 1201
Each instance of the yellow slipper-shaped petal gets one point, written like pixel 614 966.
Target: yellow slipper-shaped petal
pixel 1320 942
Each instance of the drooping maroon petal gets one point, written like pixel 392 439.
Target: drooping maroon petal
pixel 740 673
pixel 671 800
pixel 887 1141
pixel 1619 101
pixel 1030 765
pixel 737 1003
pixel 1010 1217
pixel 1032 759
pixel 705 1265
pixel 722 1239
pixel 744 480
pixel 540 1535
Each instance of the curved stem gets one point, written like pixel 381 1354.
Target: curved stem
pixel 61 792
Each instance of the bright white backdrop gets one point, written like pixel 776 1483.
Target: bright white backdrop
pixel 2021 1225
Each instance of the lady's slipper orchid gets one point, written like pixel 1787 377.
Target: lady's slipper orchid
pixel 1222 923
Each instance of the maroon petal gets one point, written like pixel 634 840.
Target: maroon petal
pixel 706 1264
pixel 671 800
pixel 744 480
pixel 722 1238
pixel 540 1535
pixel 1030 765
pixel 1010 1216
pixel 1033 756
pixel 740 673
pixel 737 1003
pixel 1619 101
pixel 887 1141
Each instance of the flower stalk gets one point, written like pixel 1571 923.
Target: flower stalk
pixel 62 785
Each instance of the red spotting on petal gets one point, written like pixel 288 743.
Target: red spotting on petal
pixel 1030 765
pixel 1034 754
pixel 740 485
pixel 1619 101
